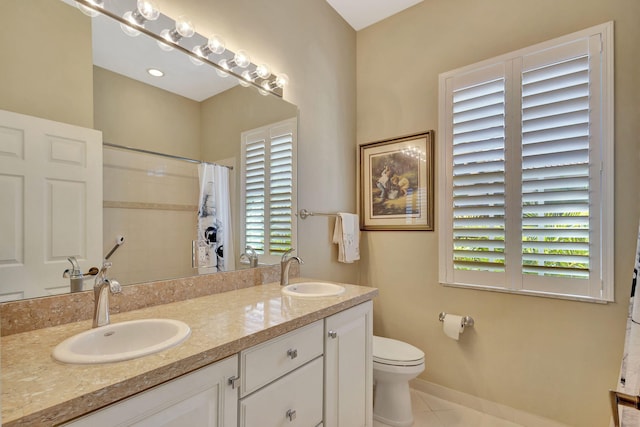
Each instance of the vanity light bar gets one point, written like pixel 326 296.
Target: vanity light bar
pixel 272 83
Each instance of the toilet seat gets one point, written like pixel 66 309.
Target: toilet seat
pixel 392 352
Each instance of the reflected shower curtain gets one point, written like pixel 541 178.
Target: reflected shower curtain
pixel 630 368
pixel 214 219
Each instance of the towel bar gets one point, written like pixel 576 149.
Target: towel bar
pixel 304 214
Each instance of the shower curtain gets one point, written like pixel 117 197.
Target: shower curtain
pixel 214 231
pixel 630 368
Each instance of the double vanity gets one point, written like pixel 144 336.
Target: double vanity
pixel 254 356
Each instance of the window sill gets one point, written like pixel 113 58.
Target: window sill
pixel 528 293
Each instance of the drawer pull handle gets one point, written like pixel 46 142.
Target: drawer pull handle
pixel 292 353
pixel 333 334
pixel 233 381
pixel 291 414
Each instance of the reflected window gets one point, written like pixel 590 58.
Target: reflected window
pixel 268 189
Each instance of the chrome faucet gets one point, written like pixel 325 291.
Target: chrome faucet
pixel 285 264
pixel 101 290
pixel 251 255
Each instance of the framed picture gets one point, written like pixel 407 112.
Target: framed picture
pixel 396 183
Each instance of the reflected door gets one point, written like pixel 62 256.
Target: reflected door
pixel 50 203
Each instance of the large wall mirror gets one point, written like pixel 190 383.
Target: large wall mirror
pixel 64 66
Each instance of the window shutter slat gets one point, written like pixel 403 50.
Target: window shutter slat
pixel 555 159
pixel 478 183
pixel 254 206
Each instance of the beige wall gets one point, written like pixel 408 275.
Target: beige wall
pixel 62 93
pixel 550 357
pixel 137 115
pixel 156 212
pixel 222 125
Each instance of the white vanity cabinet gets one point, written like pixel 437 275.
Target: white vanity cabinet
pixel 281 380
pixel 202 398
pixel 288 380
pixel 319 375
pixel 348 368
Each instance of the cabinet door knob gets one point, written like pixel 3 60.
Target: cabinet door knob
pixel 292 353
pixel 291 414
pixel 333 334
pixel 233 381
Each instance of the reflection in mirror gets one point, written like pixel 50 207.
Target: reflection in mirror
pixel 151 200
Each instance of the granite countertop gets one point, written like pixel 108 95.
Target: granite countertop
pixel 37 390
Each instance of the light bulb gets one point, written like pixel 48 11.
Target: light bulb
pixel 263 71
pixel 146 11
pixel 184 27
pixel 87 10
pixel 282 80
pixel 242 59
pixel 266 85
pixel 166 46
pixel 225 65
pixel 214 45
pixel 198 51
pixel 246 78
pixel 129 29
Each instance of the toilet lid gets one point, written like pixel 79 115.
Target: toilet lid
pixel 394 352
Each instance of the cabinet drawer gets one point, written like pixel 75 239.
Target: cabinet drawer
pixel 293 401
pixel 268 361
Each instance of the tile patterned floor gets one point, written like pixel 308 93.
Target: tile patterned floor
pixel 430 411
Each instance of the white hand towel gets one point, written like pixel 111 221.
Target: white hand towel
pixel 346 234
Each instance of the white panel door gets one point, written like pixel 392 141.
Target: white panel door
pixel 348 394
pixel 50 203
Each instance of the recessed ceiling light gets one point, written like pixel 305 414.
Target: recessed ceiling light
pixel 155 72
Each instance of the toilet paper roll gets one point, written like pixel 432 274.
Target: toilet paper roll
pixel 452 326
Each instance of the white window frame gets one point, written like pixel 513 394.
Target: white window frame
pixel 267 133
pixel 600 286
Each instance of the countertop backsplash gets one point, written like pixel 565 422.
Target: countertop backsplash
pixel 31 314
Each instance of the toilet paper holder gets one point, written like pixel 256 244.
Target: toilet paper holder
pixel 467 321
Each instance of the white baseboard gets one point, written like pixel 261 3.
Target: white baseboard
pixel 492 408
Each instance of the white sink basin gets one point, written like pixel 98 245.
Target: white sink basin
pixel 313 289
pixel 122 341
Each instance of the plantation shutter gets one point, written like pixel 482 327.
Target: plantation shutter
pixel 255 173
pixel 555 162
pixel 527 170
pixel 280 193
pixel 478 176
pixel 269 189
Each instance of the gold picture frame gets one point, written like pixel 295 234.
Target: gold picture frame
pixel 396 183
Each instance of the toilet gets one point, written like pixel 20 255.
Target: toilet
pixel 395 363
